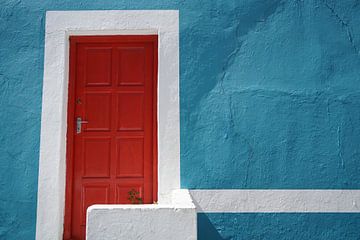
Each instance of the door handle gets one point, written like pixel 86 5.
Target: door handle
pixel 79 122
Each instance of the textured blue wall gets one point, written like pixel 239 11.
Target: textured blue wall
pixel 278 226
pixel 269 95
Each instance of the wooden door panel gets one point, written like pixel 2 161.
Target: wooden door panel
pixel 98 66
pixel 131 66
pixel 112 89
pixel 130 159
pixel 131 111
pixel 97 111
pixel 97 157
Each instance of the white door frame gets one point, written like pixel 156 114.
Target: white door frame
pixel 52 163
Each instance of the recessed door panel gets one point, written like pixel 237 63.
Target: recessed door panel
pixel 111 119
pixel 97 153
pixel 98 66
pixel 131 111
pixel 97 111
pixel 131 66
pixel 130 161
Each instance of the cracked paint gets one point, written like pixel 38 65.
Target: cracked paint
pixel 345 25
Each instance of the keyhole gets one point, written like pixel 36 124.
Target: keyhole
pixel 78 101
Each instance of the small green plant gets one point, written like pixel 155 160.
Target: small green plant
pixel 134 197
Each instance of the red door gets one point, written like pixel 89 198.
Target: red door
pixel 111 146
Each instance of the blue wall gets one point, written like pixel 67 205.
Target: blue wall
pixel 269 95
pixel 279 226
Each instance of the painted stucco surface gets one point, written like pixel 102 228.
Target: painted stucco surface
pixel 176 220
pixel 269 96
pixel 278 226
pixel 141 224
pixel 276 200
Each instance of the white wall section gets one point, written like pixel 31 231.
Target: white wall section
pixel 235 201
pixel 52 162
pixel 175 221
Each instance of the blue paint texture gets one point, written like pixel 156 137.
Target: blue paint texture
pixel 278 226
pixel 269 95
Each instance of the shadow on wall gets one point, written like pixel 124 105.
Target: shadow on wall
pixel 206 230
pixel 279 226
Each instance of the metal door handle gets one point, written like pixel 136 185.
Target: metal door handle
pixel 79 121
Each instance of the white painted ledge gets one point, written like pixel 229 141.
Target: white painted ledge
pixel 176 220
pixel 237 201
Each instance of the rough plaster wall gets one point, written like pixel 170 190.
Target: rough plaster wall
pixel 21 61
pixel 144 224
pixel 269 95
pixel 275 226
pixel 273 99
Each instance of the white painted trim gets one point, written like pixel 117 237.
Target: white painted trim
pixel 237 201
pixel 176 220
pixel 61 24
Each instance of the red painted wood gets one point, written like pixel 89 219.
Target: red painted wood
pixel 113 86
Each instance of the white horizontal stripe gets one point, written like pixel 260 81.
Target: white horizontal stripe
pixel 276 200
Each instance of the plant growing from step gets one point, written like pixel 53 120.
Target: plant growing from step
pixel 134 197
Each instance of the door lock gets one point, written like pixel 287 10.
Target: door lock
pixel 78 124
